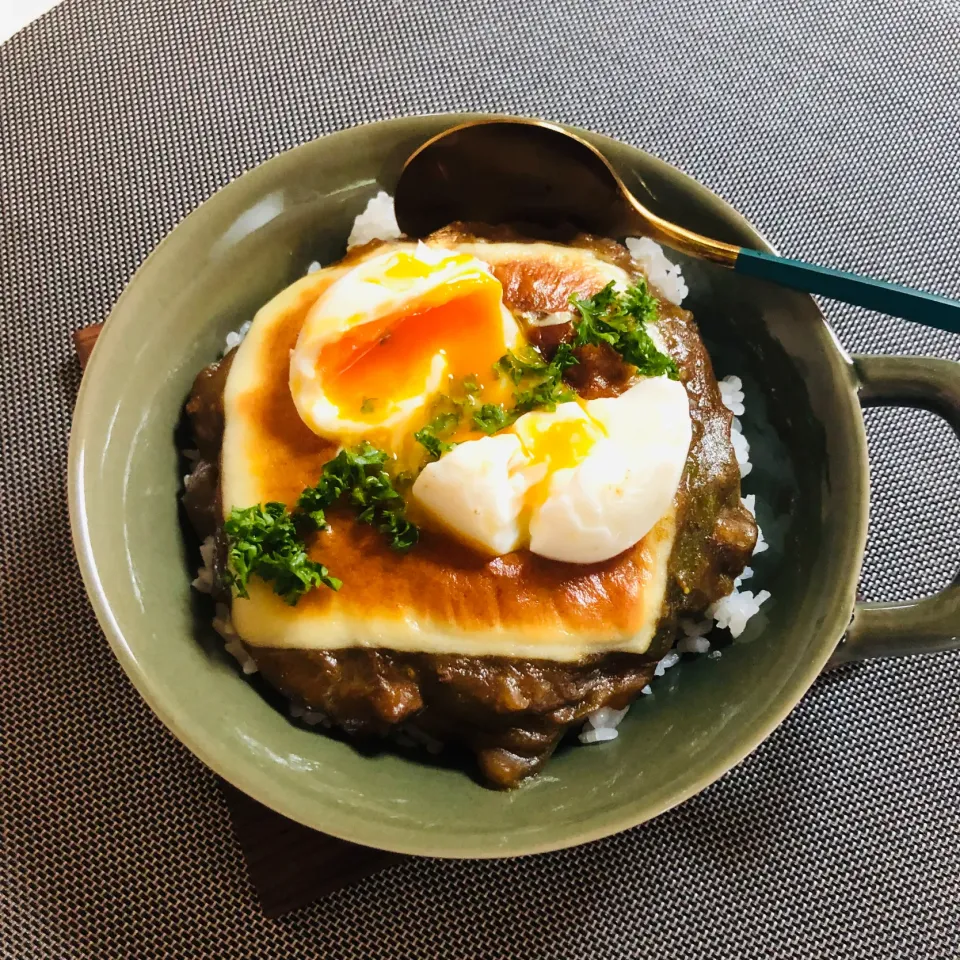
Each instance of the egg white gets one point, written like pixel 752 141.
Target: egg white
pixel 477 492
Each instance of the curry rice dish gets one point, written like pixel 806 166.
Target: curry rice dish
pixel 466 490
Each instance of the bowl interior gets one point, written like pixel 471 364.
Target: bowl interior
pixel 212 273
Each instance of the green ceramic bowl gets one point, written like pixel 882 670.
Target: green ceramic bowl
pixel 804 424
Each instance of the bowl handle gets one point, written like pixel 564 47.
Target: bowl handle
pixel 933 623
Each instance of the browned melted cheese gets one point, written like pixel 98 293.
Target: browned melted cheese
pixel 440 597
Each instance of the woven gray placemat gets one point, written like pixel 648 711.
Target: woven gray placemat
pixel 832 125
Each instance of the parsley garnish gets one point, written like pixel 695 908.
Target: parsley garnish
pixel 492 417
pixel 430 436
pixel 538 386
pixel 619 320
pixel 549 390
pixel 519 365
pixel 359 475
pixel 368 404
pixel 263 540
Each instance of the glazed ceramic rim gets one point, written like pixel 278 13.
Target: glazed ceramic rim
pixel 236 769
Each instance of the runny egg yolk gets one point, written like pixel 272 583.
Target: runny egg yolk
pixel 392 334
pixel 390 359
pixel 551 443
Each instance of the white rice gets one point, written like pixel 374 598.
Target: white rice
pixel 204 578
pixel 663 274
pixel 694 639
pixel 750 502
pixel 235 337
pixel 731 393
pixel 602 725
pixel 232 642
pixel 671 659
pixel 221 621
pixel 734 611
pixel 378 222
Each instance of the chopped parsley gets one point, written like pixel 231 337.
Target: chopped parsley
pixel 619 320
pixel 359 475
pixel 538 383
pixel 545 392
pixel 492 417
pixel 266 540
pixel 516 365
pixel 368 404
pixel 263 540
pixel 431 436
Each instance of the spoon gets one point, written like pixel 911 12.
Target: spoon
pixel 529 171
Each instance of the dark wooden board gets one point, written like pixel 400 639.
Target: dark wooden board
pixel 83 341
pixel 290 865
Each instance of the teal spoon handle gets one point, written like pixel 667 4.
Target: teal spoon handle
pixel 890 298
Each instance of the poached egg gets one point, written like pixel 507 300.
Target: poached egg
pixel 580 484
